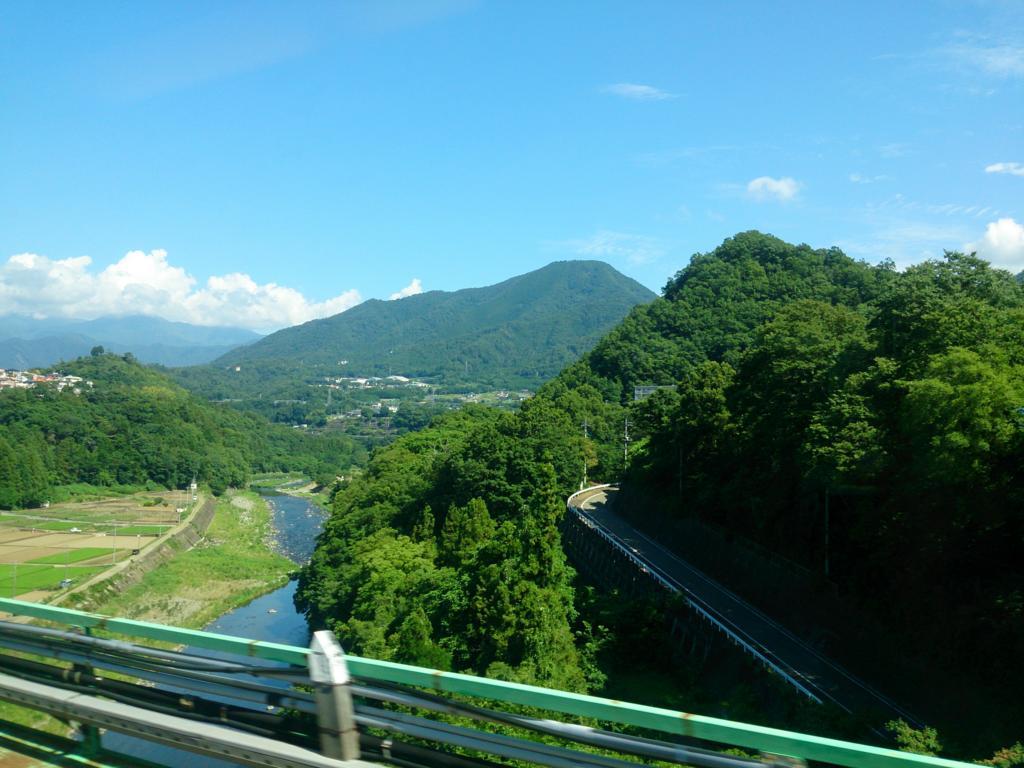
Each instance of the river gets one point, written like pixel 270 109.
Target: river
pixel 273 618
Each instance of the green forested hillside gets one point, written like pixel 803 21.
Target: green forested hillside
pixel 445 553
pixel 440 471
pixel 712 308
pixel 799 386
pixel 518 333
pixel 901 408
pixel 135 426
pixel 836 412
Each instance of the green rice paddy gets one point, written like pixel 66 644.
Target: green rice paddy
pixel 26 577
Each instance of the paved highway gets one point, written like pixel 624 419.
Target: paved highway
pixel 778 647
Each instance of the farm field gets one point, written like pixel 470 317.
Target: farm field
pixel 65 544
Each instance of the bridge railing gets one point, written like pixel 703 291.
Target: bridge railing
pixel 734 633
pixel 769 741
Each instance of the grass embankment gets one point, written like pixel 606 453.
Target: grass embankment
pixel 230 567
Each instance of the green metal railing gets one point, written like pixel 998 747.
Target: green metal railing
pixel 751 737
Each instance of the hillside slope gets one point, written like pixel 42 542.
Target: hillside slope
pixel 130 425
pixel 519 332
pixel 864 423
pixel 860 422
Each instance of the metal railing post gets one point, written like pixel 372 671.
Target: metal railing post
pixel 334 713
pixel 92 740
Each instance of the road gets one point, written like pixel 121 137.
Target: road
pixel 807 668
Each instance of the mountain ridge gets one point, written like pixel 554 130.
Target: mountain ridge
pixel 532 324
pixel 27 342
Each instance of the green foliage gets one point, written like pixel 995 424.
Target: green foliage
pixel 923 741
pixel 414 644
pixel 714 308
pixel 483 586
pixel 466 529
pixel 801 387
pixel 1010 757
pixel 230 567
pixel 808 387
pixel 135 427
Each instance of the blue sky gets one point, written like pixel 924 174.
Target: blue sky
pixel 259 164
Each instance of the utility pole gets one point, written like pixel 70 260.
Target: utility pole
pixel 585 436
pixel 826 532
pixel 625 446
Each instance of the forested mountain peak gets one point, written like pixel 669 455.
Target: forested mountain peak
pixel 711 307
pixel 764 266
pixel 517 332
pixel 861 421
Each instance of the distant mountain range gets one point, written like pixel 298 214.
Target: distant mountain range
pixel 27 342
pixel 519 332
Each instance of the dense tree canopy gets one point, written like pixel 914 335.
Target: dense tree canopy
pixel 134 426
pixel 802 379
pixel 446 553
pixel 794 384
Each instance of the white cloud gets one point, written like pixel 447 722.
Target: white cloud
pixel 147 284
pixel 860 178
pixel 637 249
pixel 921 233
pixel 638 92
pixel 989 54
pixel 898 202
pixel 1002 244
pixel 1014 169
pixel 893 150
pixel 411 289
pixel 766 188
pixel 1006 60
pixel 237 299
pixel 904 241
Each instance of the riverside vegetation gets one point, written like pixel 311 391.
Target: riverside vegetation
pixel 232 565
pixel 446 551
pixel 136 430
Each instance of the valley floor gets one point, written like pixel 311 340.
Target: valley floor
pixel 232 565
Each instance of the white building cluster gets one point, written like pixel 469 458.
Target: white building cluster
pixel 370 382
pixel 27 380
